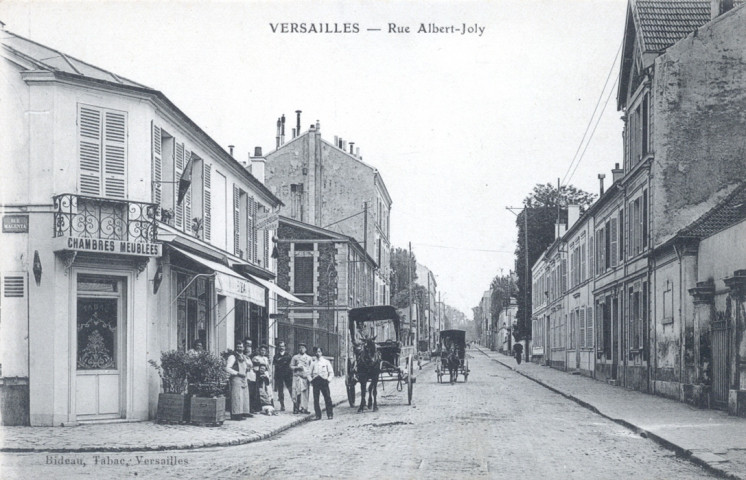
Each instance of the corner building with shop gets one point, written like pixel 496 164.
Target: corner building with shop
pixel 106 263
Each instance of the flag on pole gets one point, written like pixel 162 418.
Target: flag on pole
pixel 186 179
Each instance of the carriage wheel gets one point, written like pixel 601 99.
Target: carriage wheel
pixel 410 381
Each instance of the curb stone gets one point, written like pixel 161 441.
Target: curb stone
pixel 180 446
pixel 680 451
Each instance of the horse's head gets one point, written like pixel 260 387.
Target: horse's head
pixel 367 353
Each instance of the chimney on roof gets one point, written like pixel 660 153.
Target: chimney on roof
pixel 297 121
pixel 719 7
pixel 573 215
pixel 601 177
pixel 617 173
pixel 277 134
pixel 230 149
pixel 282 131
pixel 352 148
pixel 258 164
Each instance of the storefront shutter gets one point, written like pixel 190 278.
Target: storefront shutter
pixel 156 163
pixel 208 200
pixel 89 145
pixel 115 154
pixel 179 165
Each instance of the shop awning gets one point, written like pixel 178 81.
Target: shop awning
pixel 274 288
pixel 229 282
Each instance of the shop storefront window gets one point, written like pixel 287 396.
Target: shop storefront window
pixel 192 311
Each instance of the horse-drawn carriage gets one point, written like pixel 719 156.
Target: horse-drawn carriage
pixel 452 355
pixel 376 361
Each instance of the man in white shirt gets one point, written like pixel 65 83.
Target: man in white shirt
pixel 321 374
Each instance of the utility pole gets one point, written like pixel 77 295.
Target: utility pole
pixel 365 228
pixel 409 287
pixel 524 210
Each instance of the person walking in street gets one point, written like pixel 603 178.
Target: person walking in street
pixel 237 367
pixel 518 352
pixel 321 374
pixel 283 375
pixel 300 365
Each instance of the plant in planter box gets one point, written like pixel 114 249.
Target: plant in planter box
pixel 207 379
pixel 173 405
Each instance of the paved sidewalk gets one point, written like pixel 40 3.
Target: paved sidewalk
pixel 143 436
pixel 710 438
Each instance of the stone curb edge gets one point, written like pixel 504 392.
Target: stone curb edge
pixel 176 446
pixel 680 451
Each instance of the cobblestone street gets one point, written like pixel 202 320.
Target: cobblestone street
pixel 478 429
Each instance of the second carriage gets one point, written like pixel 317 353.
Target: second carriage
pixel 452 348
pixel 397 361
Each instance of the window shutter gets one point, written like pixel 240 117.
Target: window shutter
pixel 208 200
pixel 156 163
pixel 589 328
pixel 115 154
pixel 188 199
pixel 613 250
pixel 236 221
pixel 89 145
pixel 179 166
pixel 252 237
pixel 266 249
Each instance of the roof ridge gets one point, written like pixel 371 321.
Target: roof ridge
pixel 67 58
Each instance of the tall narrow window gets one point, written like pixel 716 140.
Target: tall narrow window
pixel 102 141
pixel 613 248
pixel 644 219
pixel 645 126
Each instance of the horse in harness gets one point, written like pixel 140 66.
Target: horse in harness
pixel 368 369
pixel 452 362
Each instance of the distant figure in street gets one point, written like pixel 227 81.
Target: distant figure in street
pixel 300 365
pixel 321 374
pixel 518 352
pixel 237 367
pixel 283 375
pixel 265 391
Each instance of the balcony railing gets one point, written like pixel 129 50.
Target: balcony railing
pixel 105 219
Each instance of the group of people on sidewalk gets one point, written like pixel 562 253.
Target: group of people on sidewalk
pixel 250 380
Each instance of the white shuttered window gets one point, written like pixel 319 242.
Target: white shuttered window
pixel 102 152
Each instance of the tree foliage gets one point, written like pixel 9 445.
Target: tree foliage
pixel 402 266
pixel 501 289
pixel 541 209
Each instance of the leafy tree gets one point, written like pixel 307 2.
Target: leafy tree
pixel 501 289
pixel 402 265
pixel 539 215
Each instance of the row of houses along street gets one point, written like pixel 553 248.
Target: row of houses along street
pixel 128 231
pixel 646 288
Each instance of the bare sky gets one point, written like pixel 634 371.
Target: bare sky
pixel 460 126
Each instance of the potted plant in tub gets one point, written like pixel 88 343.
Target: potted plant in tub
pixel 207 379
pixel 173 404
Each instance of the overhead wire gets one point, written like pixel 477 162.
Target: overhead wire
pixel 575 157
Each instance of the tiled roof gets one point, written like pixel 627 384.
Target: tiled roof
pixel 45 58
pixel 663 22
pixel 729 211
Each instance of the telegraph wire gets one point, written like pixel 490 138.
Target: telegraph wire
pixel 462 248
pixel 598 120
pixel 590 120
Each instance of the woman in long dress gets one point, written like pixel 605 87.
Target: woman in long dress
pixel 237 366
